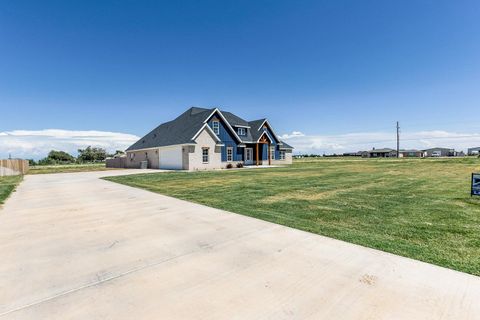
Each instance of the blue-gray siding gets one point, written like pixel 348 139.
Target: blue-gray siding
pixel 229 140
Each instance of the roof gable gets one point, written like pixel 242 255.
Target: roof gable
pixel 266 135
pixel 216 111
pixel 256 129
pixel 209 130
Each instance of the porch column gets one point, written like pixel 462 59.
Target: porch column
pixel 257 154
pixel 269 155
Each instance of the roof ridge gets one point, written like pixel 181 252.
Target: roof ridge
pixel 196 110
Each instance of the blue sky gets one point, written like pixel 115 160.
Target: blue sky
pixel 323 68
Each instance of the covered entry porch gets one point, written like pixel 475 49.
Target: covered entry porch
pixel 259 153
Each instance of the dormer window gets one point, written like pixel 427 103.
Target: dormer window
pixel 216 127
pixel 242 131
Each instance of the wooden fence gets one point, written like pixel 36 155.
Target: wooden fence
pixel 13 167
pixel 120 162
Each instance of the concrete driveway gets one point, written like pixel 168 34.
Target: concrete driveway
pixel 76 247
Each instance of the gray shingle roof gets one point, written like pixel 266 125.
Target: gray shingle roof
pixel 255 125
pixel 384 150
pixel 183 128
pixel 234 120
pixel 285 145
pixel 179 131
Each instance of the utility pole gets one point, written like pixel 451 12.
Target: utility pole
pixel 398 139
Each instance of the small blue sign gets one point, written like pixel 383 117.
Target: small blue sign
pixel 475 184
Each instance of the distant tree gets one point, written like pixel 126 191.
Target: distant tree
pixel 54 157
pixel 90 154
pixel 46 161
pixel 32 162
pixel 117 153
pixel 60 156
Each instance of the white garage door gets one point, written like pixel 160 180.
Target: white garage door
pixel 171 158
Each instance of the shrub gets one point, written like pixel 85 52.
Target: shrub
pixel 229 166
pixel 60 156
pixel 239 165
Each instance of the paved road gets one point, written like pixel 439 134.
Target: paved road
pixel 76 247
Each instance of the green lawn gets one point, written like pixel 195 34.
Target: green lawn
pixel 7 186
pixel 418 208
pixel 68 168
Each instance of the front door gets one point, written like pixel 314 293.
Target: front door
pixel 248 156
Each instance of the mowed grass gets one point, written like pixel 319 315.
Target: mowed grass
pixel 68 168
pixel 7 186
pixel 417 208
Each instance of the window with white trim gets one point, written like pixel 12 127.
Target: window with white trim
pixel 282 154
pixel 205 155
pixel 242 131
pixel 272 153
pixel 229 154
pixel 216 127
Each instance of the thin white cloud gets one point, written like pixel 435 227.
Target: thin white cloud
pixel 37 143
pixel 294 134
pixel 351 142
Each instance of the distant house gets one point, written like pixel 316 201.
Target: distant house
pixel 474 151
pixel 353 154
pixel 439 152
pixel 201 139
pixel 411 153
pixel 380 153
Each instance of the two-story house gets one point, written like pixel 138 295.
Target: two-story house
pixel 201 139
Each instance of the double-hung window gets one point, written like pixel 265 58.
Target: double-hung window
pixel 205 155
pixel 242 131
pixel 272 153
pixel 282 155
pixel 229 154
pixel 216 127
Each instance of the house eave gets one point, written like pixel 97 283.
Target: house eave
pixel 159 147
